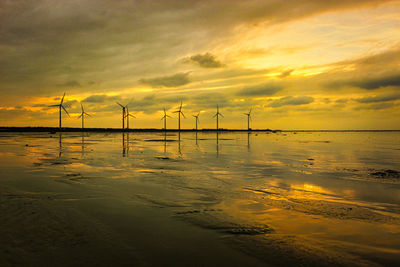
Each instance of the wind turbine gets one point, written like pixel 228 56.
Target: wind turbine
pixel 217 115
pixel 123 115
pixel 83 113
pixel 165 119
pixel 197 119
pixel 60 106
pixel 248 119
pixel 127 117
pixel 179 111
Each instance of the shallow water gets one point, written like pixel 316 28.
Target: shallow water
pixel 315 198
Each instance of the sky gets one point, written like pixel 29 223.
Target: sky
pixel 301 64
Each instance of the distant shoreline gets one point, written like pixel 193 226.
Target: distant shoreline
pixel 74 129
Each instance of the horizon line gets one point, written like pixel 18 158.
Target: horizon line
pixel 111 129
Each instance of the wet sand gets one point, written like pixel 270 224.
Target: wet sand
pixel 242 200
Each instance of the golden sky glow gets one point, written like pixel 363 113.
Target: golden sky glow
pixel 298 64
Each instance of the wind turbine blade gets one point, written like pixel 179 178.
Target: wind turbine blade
pixel 87 114
pixel 183 115
pixel 176 111
pixel 168 116
pixel 54 105
pixel 83 111
pixel 215 115
pixel 80 116
pixel 62 99
pixel 250 110
pixel 221 115
pixel 120 104
pixel 65 111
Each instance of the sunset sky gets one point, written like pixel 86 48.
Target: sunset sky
pixel 298 64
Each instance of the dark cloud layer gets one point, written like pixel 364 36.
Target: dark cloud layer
pixel 100 98
pixel 265 89
pixel 206 61
pixel 47 43
pixel 291 100
pixel 367 83
pixel 175 80
pixel 376 83
pixel 379 98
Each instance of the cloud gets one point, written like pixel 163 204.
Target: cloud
pixel 291 100
pixel 286 73
pixel 71 83
pixel 175 80
pixel 379 98
pixel 70 104
pixel 114 43
pixel 376 83
pixel 265 89
pixel 206 61
pixel 367 83
pixel 375 106
pixel 100 98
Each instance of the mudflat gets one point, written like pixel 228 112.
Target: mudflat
pixel 206 199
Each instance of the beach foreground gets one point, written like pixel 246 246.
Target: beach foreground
pixel 233 199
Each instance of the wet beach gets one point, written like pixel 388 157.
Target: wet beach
pixel 206 199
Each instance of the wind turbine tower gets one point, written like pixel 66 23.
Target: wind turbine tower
pixel 179 111
pixel 248 119
pixel 217 116
pixel 60 106
pixel 165 119
pixel 83 113
pixel 197 119
pixel 127 117
pixel 123 115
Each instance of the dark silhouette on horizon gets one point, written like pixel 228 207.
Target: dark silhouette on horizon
pixel 165 120
pixel 60 106
pixel 217 115
pixel 83 113
pixel 197 119
pixel 179 111
pixel 123 115
pixel 248 119
pixel 127 117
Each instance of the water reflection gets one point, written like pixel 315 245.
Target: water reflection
pixel 274 184
pixel 248 141
pixel 165 142
pixel 179 144
pixel 123 145
pixel 60 144
pixel 217 146
pixel 83 145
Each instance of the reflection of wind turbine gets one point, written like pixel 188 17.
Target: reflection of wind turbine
pixel 217 115
pixel 83 113
pixel 127 117
pixel 248 119
pixel 165 119
pixel 123 115
pixel 197 119
pixel 60 106
pixel 179 111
